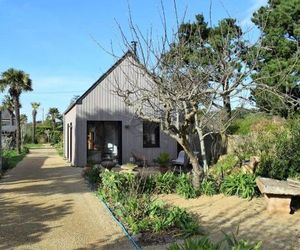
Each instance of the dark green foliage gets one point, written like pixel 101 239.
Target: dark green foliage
pixel 220 47
pixel 93 176
pixel 185 188
pixel 229 242
pixel 163 159
pixel 282 158
pixel 239 184
pixel 56 136
pixel 278 64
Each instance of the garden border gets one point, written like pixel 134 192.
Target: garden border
pixel 131 239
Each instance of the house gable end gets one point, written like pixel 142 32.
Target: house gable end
pixel 105 75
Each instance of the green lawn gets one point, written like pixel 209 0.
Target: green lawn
pixel 32 145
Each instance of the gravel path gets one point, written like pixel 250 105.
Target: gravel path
pixel 220 213
pixel 45 204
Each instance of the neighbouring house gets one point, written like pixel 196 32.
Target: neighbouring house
pixel 100 126
pixel 8 122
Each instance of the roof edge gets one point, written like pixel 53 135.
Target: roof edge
pixel 102 77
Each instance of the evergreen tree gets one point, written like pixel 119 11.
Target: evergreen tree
pixel 278 64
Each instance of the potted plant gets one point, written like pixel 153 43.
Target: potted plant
pixel 163 161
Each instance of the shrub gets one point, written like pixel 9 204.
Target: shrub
pixel 225 164
pixel 165 183
pixel 239 184
pixel 163 159
pixel 93 176
pixel 138 211
pixel 10 158
pixel 243 126
pixel 185 188
pixel 281 157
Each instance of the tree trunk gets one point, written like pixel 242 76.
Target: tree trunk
pixel 33 126
pixel 197 169
pixel 53 124
pixel 202 150
pixel 18 128
pixel 202 144
pixel 227 108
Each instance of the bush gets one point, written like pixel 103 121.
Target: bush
pixel 10 158
pixel 164 159
pixel 281 157
pixel 243 126
pixel 185 188
pixel 56 136
pixel 138 211
pixel 225 164
pixel 93 176
pixel 240 184
pixel 59 147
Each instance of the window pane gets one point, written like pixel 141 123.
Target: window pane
pixel 150 135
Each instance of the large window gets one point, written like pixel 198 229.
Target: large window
pixel 104 141
pixel 150 135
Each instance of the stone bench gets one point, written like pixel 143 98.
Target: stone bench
pixel 278 193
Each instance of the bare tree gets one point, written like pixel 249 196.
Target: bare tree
pixel 189 97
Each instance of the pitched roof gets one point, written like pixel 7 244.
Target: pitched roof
pixel 5 115
pixel 116 64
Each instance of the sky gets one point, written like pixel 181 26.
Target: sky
pixel 64 44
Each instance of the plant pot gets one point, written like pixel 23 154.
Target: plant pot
pixel 163 169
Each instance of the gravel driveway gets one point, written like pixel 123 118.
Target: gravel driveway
pixel 45 204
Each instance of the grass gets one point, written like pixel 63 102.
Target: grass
pixel 33 145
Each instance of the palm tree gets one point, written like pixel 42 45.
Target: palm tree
pixel 35 106
pixel 16 81
pixel 8 104
pixel 54 114
pixel 23 121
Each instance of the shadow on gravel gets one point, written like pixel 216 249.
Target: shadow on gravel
pixel 16 230
pixel 33 178
pixel 117 244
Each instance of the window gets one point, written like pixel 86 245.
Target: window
pixel 150 135
pixel 5 122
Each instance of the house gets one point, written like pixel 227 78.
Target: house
pixel 8 129
pixel 8 122
pixel 100 126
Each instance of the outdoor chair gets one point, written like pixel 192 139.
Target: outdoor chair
pixel 181 161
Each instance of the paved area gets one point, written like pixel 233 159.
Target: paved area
pixel 45 204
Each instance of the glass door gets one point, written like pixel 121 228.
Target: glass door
pixel 104 141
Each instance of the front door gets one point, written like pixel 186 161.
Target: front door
pixel 104 141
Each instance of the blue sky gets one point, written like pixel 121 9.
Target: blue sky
pixel 52 40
